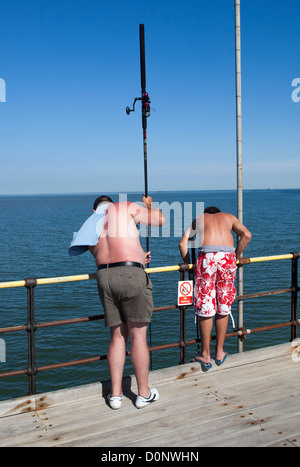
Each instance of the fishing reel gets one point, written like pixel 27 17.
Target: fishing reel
pixel 145 105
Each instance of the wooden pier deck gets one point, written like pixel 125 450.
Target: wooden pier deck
pixel 251 400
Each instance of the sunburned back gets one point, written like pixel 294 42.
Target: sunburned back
pixel 217 229
pixel 119 240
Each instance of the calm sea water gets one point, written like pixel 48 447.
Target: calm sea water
pixel 35 235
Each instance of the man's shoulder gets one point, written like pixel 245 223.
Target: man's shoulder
pixel 219 215
pixel 225 215
pixel 125 203
pixel 128 206
pixel 221 218
pixel 228 214
pixel 120 205
pixel 229 218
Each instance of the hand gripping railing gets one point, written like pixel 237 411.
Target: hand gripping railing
pixel 31 326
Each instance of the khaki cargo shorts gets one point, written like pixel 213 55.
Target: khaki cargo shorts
pixel 126 295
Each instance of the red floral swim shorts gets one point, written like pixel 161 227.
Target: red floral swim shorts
pixel 214 289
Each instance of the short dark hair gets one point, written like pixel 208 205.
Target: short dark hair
pixel 211 210
pixel 101 199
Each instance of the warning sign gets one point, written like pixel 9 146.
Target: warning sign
pixel 185 293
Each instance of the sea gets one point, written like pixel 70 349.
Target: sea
pixel 36 231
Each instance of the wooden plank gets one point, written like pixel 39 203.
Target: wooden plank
pixel 244 429
pixel 27 403
pixel 243 402
pixel 262 435
pixel 266 390
pixel 99 422
pixel 293 442
pixel 18 425
pixel 17 406
pixel 180 414
pixel 237 374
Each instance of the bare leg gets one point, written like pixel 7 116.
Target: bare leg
pixel 221 329
pixel 139 353
pixel 116 357
pixel 206 325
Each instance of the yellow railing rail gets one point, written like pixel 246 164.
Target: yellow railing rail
pixel 81 277
pixel 268 258
pixel 85 277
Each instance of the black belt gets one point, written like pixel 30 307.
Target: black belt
pixel 121 263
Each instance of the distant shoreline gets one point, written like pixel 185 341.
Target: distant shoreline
pixel 4 195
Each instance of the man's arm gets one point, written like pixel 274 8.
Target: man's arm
pixel 147 215
pixel 183 244
pixel 243 233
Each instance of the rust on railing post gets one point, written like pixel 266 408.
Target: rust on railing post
pixel 295 290
pixel 31 327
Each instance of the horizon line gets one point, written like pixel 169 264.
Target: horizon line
pixel 140 191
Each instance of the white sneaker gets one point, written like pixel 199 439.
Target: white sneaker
pixel 114 402
pixel 143 401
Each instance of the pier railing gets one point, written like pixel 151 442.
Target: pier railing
pixel 184 270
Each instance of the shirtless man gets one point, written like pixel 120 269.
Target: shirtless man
pixel 125 290
pixel 214 275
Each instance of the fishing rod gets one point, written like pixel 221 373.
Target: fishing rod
pixel 145 114
pixel 145 109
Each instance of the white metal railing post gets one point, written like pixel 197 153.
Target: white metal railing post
pixel 239 150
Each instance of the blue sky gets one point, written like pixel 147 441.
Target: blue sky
pixel 72 67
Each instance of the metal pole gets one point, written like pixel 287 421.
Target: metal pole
pixel 238 75
pixel 31 327
pixel 295 290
